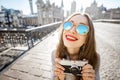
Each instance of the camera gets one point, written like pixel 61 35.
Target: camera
pixel 73 67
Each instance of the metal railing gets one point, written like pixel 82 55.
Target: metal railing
pixel 108 20
pixel 25 37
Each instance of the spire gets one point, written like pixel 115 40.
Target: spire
pixel 73 6
pixel 62 4
pixel 94 3
pixel 40 1
pixel 81 9
pixel 48 3
pixel 31 6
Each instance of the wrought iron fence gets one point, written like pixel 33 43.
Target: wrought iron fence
pixel 25 37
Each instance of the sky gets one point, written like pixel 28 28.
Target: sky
pixel 24 4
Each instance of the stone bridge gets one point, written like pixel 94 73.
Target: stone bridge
pixel 36 63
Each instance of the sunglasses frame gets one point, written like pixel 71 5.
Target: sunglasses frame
pixel 76 27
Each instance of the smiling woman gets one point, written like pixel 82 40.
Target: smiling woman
pixel 76 45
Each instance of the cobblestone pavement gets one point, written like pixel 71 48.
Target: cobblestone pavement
pixel 36 63
pixel 108 46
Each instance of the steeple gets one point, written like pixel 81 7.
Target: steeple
pixel 48 2
pixel 62 4
pixel 73 6
pixel 31 6
pixel 81 9
pixel 94 3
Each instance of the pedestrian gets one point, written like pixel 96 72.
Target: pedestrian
pixel 77 43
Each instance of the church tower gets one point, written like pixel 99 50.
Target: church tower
pixel 31 6
pixel 73 7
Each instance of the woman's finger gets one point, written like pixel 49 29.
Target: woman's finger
pixel 88 75
pixel 88 71
pixel 57 60
pixel 57 73
pixel 87 66
pixel 87 78
pixel 58 70
pixel 57 65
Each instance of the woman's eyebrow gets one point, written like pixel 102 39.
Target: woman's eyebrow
pixel 79 23
pixel 82 23
pixel 72 21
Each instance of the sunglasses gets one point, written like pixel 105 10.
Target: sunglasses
pixel 81 28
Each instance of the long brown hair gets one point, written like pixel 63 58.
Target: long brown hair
pixel 87 51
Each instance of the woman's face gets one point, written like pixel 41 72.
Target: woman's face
pixel 71 38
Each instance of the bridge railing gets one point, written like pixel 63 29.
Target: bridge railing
pixel 108 20
pixel 25 37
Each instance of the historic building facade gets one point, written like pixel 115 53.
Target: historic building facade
pixel 101 12
pixel 10 17
pixel 94 11
pixel 30 20
pixel 48 13
pixel 112 14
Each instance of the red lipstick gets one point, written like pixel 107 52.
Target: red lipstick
pixel 71 38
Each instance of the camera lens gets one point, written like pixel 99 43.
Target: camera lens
pixel 75 71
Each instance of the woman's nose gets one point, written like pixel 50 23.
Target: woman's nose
pixel 73 29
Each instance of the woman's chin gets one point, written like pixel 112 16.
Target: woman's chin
pixel 70 45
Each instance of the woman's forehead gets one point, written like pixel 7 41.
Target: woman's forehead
pixel 79 19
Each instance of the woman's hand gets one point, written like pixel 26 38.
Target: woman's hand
pixel 59 70
pixel 88 73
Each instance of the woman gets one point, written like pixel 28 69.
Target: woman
pixel 77 42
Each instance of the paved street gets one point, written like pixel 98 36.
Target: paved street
pixel 36 63
pixel 108 46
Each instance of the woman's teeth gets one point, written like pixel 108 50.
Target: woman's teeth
pixel 71 37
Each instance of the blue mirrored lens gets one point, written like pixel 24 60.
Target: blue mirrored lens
pixel 82 29
pixel 67 25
